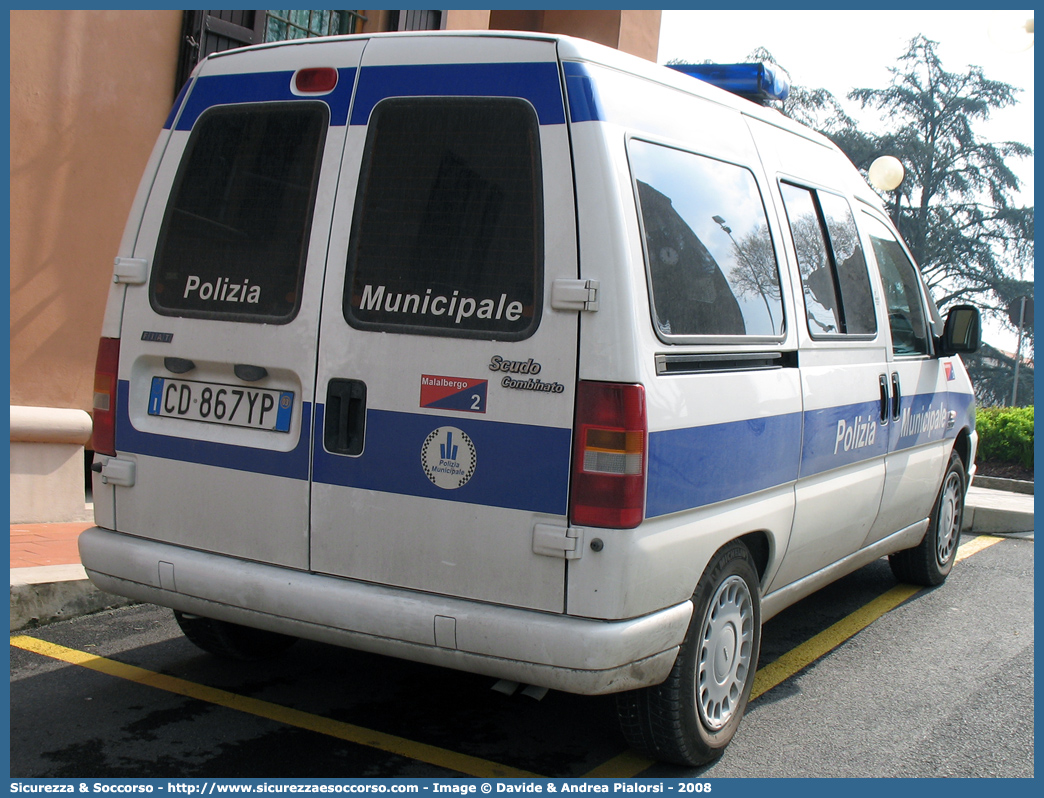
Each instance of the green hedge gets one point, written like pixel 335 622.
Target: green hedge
pixel 1005 434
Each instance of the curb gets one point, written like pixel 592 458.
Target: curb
pixel 52 593
pixel 1000 483
pixel 994 521
pixel 992 511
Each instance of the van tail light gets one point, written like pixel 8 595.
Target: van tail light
pixel 105 378
pixel 609 458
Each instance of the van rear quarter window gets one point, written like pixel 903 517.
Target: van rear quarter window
pixel 235 232
pixel 447 235
pixel 712 265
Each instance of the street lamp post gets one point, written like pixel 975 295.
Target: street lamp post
pixel 1025 318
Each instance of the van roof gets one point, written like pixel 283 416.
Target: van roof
pixel 571 48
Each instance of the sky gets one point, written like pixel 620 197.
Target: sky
pixel 842 50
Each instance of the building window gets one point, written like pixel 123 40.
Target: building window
pixel 207 32
pixel 303 24
pixel 416 19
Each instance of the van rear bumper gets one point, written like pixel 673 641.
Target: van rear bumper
pixel 575 655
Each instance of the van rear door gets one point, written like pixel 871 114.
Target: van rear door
pixel 221 315
pixel 446 379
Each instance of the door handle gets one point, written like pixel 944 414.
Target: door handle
pixel 896 396
pixel 344 427
pixel 885 398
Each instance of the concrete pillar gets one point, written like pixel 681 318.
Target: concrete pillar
pixel 47 479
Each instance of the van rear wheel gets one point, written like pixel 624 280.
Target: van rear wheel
pixel 694 714
pixel 232 641
pixel 930 562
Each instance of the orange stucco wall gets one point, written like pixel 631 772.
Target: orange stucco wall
pixel 89 93
pixel 634 32
pixel 473 19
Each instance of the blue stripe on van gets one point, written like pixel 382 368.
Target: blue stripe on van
pixel 839 436
pixel 292 464
pixel 925 418
pixel 584 105
pixel 964 405
pixel 537 82
pixel 696 466
pixel 517 466
pixel 177 106
pixel 526 467
pixel 254 87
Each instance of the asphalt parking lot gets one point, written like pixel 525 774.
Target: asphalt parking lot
pixel 864 678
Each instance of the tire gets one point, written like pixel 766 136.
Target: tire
pixel 232 641
pixel 690 718
pixel 929 563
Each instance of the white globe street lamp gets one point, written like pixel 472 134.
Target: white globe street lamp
pixel 1012 32
pixel 887 173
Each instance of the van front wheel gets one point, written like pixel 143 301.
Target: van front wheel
pixel 929 563
pixel 694 714
pixel 232 641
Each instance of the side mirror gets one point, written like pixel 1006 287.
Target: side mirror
pixel 962 333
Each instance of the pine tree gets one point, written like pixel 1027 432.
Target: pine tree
pixel 957 207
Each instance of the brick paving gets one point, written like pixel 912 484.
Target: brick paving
pixel 33 545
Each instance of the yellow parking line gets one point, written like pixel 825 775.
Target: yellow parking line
pixel 630 764
pixel 830 638
pixel 626 765
pixel 827 640
pixel 440 757
pixel 975 545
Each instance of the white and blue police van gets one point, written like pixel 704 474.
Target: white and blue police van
pixel 515 354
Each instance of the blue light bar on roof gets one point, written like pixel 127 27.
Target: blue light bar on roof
pixel 757 82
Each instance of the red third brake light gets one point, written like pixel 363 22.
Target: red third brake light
pixel 315 80
pixel 105 379
pixel 610 456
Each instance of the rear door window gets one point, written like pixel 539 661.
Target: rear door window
pixel 834 278
pixel 447 234
pixel 712 266
pixel 235 232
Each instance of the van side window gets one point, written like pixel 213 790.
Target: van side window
pixel 712 267
pixel 235 232
pixel 447 235
pixel 902 288
pixel 834 278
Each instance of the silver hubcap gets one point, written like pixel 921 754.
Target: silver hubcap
pixel 949 518
pixel 725 650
